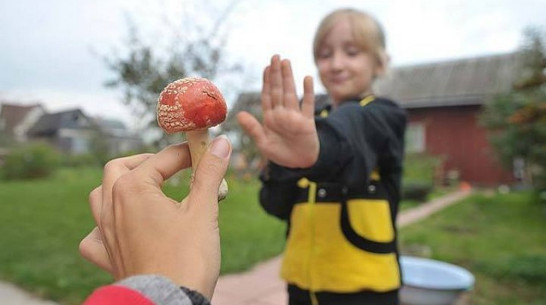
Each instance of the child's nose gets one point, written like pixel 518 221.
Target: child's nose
pixel 337 61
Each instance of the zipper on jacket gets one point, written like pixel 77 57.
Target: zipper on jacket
pixel 311 198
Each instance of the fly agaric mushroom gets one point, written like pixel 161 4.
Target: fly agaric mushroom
pixel 192 105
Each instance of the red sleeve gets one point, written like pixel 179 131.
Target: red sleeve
pixel 116 295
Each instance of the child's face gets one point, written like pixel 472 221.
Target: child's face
pixel 346 70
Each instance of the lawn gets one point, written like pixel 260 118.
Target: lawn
pixel 499 238
pixel 42 222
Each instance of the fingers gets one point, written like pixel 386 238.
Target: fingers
pixel 112 171
pixel 266 91
pixel 276 82
pixel 290 97
pixel 93 249
pixel 251 126
pixel 308 104
pixel 95 202
pixel 115 169
pixel 209 175
pixel 278 88
pixel 164 165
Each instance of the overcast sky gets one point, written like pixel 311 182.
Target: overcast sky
pixel 48 49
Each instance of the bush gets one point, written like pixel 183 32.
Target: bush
pixel 37 160
pixel 81 160
pixel 416 190
pixel 421 167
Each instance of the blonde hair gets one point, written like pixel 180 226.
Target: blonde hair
pixel 367 31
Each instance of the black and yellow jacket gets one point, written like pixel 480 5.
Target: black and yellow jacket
pixel 341 212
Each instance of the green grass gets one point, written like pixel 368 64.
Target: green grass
pixel 43 221
pixel 500 238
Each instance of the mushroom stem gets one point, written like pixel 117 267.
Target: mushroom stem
pixel 198 141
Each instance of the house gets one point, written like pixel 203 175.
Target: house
pixel 119 139
pixel 444 101
pixel 71 131
pixel 16 120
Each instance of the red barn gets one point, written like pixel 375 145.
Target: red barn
pixel 444 101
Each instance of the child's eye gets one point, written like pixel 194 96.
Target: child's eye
pixel 324 53
pixel 352 51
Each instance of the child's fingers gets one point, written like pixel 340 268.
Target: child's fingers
pixel 276 85
pixel 266 90
pixel 308 104
pixel 290 98
pixel 251 126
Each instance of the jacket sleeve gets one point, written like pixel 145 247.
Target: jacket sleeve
pixel 278 190
pixel 145 290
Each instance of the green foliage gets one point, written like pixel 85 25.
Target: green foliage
pixel 517 120
pixel 421 167
pixel 36 160
pixel 419 177
pixel 81 160
pixel 416 190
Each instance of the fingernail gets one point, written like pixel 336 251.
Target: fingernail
pixel 220 147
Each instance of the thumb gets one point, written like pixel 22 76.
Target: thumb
pixel 251 126
pixel 210 172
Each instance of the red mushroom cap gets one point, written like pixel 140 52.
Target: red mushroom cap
pixel 190 104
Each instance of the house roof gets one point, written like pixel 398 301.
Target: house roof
pixel 12 114
pixel 50 123
pixel 468 81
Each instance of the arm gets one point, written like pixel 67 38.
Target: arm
pixel 145 290
pixel 278 190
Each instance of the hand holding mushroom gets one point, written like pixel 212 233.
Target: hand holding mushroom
pixel 192 105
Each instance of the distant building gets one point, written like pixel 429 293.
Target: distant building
pixel 71 131
pixel 444 101
pixel 16 120
pixel 120 140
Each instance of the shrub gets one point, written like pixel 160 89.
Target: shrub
pixel 81 160
pixel 421 167
pixel 36 160
pixel 416 190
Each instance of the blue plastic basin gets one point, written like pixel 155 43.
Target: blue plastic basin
pixel 432 282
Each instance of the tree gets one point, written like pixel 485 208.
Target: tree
pixel 146 68
pixel 517 120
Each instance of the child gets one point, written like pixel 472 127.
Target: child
pixel 334 177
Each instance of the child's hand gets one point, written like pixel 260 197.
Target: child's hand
pixel 288 135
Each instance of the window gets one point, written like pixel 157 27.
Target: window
pixel 415 138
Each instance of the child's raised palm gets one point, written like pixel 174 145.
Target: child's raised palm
pixel 288 135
